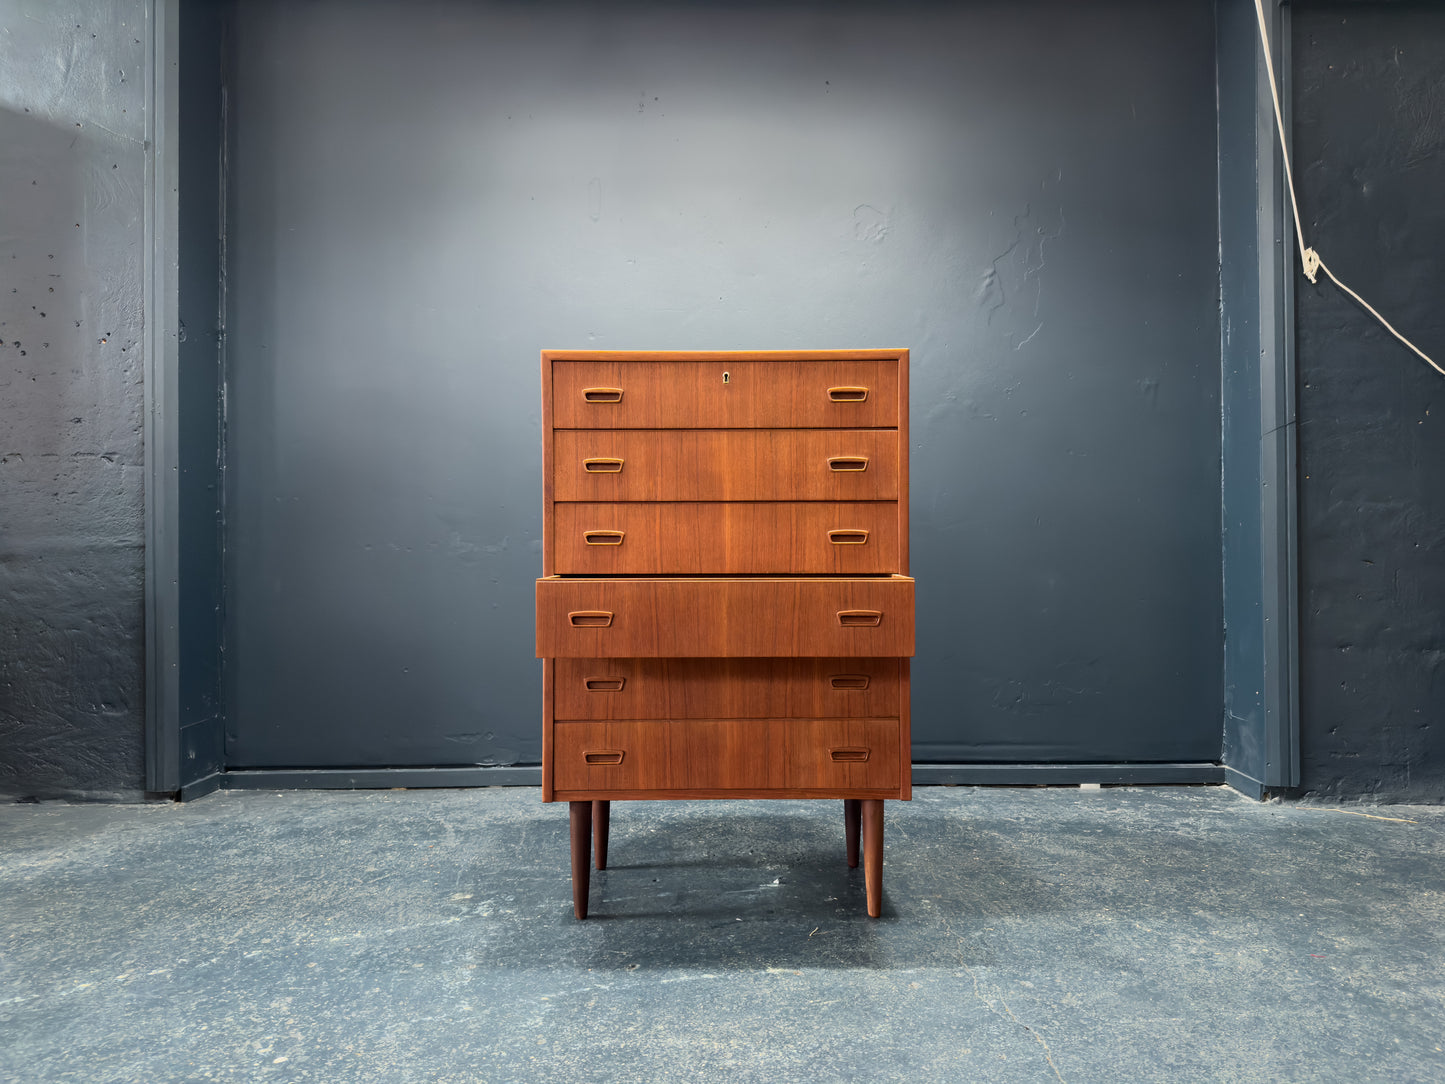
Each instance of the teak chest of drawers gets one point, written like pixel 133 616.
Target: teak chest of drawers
pixel 725 609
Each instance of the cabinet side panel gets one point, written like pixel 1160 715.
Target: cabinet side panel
pixel 549 554
pixel 903 432
pixel 549 677
pixel 905 736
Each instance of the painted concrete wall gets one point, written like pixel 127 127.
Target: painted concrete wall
pixel 426 195
pixel 72 168
pixel 1369 130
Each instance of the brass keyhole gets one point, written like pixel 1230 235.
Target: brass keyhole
pixel 726 376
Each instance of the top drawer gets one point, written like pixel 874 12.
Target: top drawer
pixel 845 394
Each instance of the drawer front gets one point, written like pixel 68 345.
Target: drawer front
pixel 725 688
pixel 741 538
pixel 751 755
pixel 726 465
pixel 759 618
pixel 756 394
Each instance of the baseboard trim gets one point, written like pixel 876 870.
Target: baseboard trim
pixel 1014 775
pixel 379 778
pixel 924 775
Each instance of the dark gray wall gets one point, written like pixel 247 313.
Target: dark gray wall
pixel 426 194
pixel 72 167
pixel 1369 143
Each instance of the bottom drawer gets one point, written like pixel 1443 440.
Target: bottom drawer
pixel 726 758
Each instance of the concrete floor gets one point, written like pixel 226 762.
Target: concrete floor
pixel 1170 934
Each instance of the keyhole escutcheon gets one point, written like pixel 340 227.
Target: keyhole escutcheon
pixel 727 376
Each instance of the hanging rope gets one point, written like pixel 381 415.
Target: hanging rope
pixel 1308 256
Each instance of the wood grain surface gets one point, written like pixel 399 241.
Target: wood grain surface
pixel 726 688
pixel 871 814
pixel 757 394
pixel 716 537
pixel 580 818
pixel 741 755
pixel 725 465
pixel 723 618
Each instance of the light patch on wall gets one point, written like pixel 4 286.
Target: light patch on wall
pixel 870 224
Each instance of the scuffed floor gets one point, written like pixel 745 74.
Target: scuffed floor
pixel 1169 934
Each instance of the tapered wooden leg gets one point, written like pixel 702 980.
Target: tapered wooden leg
pixel 850 829
pixel 873 854
pixel 601 812
pixel 581 818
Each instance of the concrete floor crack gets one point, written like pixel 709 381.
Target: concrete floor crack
pixel 989 1003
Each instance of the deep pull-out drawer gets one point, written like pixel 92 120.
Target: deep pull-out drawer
pixel 725 394
pixel 724 618
pixel 725 757
pixel 725 465
pixel 725 688
pixel 738 538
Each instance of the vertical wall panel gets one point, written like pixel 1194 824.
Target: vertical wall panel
pixel 72 176
pixel 203 40
pixel 1238 61
pixel 1369 150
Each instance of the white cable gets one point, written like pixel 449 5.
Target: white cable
pixel 1308 256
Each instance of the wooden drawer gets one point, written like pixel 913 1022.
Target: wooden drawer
pixel 745 757
pixel 757 395
pixel 724 618
pixel 725 465
pixel 725 688
pixel 740 538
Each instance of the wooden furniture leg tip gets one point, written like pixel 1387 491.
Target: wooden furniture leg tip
pixel 872 816
pixel 601 816
pixel 580 817
pixel 851 828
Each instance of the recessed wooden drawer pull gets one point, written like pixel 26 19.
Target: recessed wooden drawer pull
pixel 598 619
pixel 859 618
pixel 602 465
pixel 849 756
pixel 603 538
pixel 847 395
pixel 841 463
pixel 605 756
pixel 604 685
pixel 848 538
pixel 602 395
pixel 857 682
